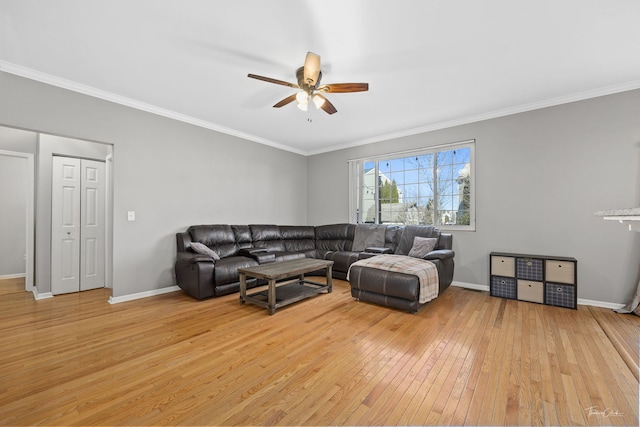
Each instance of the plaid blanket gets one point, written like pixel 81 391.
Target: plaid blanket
pixel 426 271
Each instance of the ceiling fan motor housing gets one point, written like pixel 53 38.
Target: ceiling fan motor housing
pixel 305 85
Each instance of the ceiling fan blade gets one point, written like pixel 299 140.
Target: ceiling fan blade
pixel 311 69
pixel 344 87
pixel 327 106
pixel 270 80
pixel 285 101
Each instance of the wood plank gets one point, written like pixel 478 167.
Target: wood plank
pixel 465 359
pixel 11 285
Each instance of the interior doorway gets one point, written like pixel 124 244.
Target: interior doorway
pixel 38 150
pixel 17 230
pixel 78 229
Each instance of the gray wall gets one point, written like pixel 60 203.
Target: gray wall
pixel 18 140
pixel 171 173
pixel 540 176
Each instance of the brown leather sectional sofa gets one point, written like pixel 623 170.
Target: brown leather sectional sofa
pixel 240 246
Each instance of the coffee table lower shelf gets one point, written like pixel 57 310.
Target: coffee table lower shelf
pixel 287 294
pixel 293 286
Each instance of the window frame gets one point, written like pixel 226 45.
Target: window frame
pixel 356 180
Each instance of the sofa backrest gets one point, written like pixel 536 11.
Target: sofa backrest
pixel 219 237
pixel 334 237
pixel 298 238
pixel 243 236
pixel 405 240
pixel 391 236
pixel 445 241
pixel 227 240
pixel 266 236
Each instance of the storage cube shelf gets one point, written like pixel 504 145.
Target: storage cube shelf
pixel 542 279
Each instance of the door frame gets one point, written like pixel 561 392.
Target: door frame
pixel 108 221
pixel 30 244
pixel 107 216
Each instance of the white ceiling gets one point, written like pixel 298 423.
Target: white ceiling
pixel 429 64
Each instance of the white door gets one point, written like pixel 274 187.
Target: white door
pixel 77 225
pixel 65 225
pixel 92 230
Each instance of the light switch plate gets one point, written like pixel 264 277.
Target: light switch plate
pixel 131 215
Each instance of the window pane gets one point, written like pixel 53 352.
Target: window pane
pixel 368 193
pixel 427 188
pixel 384 166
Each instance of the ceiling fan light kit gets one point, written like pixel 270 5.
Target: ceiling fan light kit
pixel 318 100
pixel 309 77
pixel 312 69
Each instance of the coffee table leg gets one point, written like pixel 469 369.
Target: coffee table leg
pixel 272 296
pixel 329 279
pixel 243 287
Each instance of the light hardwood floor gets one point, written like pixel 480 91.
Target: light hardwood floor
pixel 10 286
pixel 465 359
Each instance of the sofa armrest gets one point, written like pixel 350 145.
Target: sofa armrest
pixel 379 250
pixel 190 258
pixel 440 254
pixel 250 251
pixel 259 254
pixel 195 274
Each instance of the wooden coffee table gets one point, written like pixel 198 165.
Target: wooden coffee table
pixel 278 296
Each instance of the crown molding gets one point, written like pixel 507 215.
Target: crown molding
pixel 129 102
pixel 52 80
pixel 594 93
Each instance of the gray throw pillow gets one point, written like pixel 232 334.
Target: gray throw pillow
pixel 422 246
pixel 204 250
pixel 405 241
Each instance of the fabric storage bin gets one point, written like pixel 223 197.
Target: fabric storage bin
pixel 504 287
pixel 560 295
pixel 503 266
pixel 560 271
pixel 529 269
pixel 530 291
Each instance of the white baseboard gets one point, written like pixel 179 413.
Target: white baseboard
pixel 603 304
pixel 131 297
pixel 581 301
pixel 13 276
pixel 473 286
pixel 42 295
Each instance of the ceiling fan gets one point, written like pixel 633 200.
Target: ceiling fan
pixel 309 76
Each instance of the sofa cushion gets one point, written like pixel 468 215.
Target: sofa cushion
pixel 391 237
pixel 267 236
pixel 203 249
pixel 334 237
pixel 226 270
pixel 243 236
pixel 298 238
pixel 422 246
pixel 217 237
pixel 342 259
pixel 409 232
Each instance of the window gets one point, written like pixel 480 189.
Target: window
pixel 433 186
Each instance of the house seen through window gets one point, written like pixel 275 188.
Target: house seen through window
pixel 426 187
